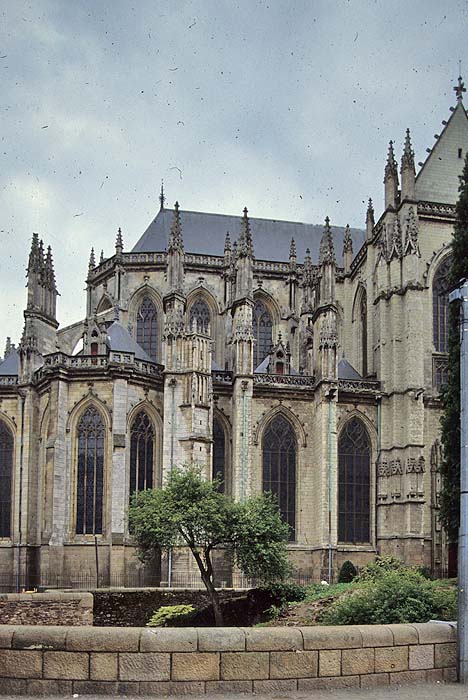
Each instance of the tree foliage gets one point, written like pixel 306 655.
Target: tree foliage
pixel 450 421
pixel 192 512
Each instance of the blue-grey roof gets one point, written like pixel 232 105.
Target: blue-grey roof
pixel 206 233
pixel 120 340
pixel 347 371
pixel 10 365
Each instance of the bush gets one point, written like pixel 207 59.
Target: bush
pixel 169 615
pixel 392 597
pixel 379 567
pixel 286 592
pixel 348 572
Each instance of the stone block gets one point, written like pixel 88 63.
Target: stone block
pixel 20 664
pixel 168 688
pixel 404 634
pixel 357 661
pixel 275 686
pixel 421 656
pixel 169 639
pixel 293 664
pixel 445 655
pixel 390 659
pixel 103 639
pixel 38 688
pixel 13 686
pixel 374 680
pixel 95 687
pixel 330 662
pixel 331 637
pixel 128 688
pixel 376 636
pixel 66 665
pixel 249 665
pixel 144 667
pixel 273 639
pixel 221 639
pixel 228 687
pixel 450 675
pixel 200 666
pixel 103 666
pixel 40 637
pixel 6 636
pixel 407 677
pixel 327 683
pixel 435 632
pixel 435 675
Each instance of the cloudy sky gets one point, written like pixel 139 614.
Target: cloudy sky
pixel 284 106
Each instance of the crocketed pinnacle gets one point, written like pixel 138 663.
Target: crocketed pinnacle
pixel 36 260
pixel 92 260
pixel 175 237
pixel 292 249
pixel 162 198
pixel 391 166
pixel 101 257
pixel 407 159
pixel 49 270
pixel 227 243
pixel 119 241
pixel 245 246
pixel 327 248
pixel 370 212
pixel 347 241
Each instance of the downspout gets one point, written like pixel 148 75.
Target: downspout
pixel 330 394
pixel 172 384
pixel 244 447
pixel 379 448
pixel 20 500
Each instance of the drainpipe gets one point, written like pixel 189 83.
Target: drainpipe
pixel 20 500
pixel 330 395
pixel 379 448
pixel 244 386
pixel 172 384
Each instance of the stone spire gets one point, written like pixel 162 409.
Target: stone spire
pixel 119 242
pixel 391 179
pixel 408 172
pixel 327 248
pixel 245 239
pixel 292 254
pixel 35 261
pixel 162 198
pixel 460 89
pixel 370 221
pixel 227 249
pixel 92 261
pixel 175 237
pixel 347 249
pixel 175 253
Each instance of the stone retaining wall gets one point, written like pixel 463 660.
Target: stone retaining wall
pixel 64 660
pixel 51 608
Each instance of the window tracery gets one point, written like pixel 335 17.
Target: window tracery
pixel 6 477
pixel 146 330
pixel 440 290
pixel 219 454
pixel 200 317
pixel 142 441
pixel 354 454
pixel 262 329
pixel 279 467
pixel 90 473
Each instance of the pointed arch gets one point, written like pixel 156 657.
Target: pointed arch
pixel 90 457
pixel 105 304
pixel 360 323
pixel 145 314
pixel 279 456
pixel 289 415
pixel 142 453
pixel 6 477
pixel 354 482
pixel 262 330
pixel 221 458
pixel 440 290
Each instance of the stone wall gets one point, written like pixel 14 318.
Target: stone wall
pixel 46 608
pixel 65 660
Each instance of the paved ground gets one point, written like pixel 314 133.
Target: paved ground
pixel 437 691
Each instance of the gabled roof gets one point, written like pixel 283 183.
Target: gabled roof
pixel 347 371
pixel 10 365
pixel 437 181
pixel 206 233
pixel 120 340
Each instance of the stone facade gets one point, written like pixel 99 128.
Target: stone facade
pixel 52 608
pixel 132 661
pixel 338 361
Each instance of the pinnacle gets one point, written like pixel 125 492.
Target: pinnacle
pixel 92 260
pixel 347 241
pixel 391 166
pixel 175 235
pixel 119 241
pixel 327 248
pixel 245 238
pixel 292 249
pixel 407 160
pixel 227 243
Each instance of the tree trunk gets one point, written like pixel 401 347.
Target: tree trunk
pixel 212 592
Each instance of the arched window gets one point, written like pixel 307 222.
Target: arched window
pixel 200 317
pixel 279 467
pixel 262 328
pixel 354 455
pixel 141 453
pixel 147 328
pixel 90 473
pixel 440 288
pixel 219 454
pixel 363 316
pixel 6 476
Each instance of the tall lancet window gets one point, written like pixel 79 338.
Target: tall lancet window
pixel 200 317
pixel 147 328
pixel 262 328
pixel 141 453
pixel 354 455
pixel 279 467
pixel 363 315
pixel 6 476
pixel 90 473
pixel 219 454
pixel 440 288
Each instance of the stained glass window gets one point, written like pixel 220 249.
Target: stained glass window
pixel 279 467
pixel 147 328
pixel 354 454
pixel 440 289
pixel 200 317
pixel 90 473
pixel 219 454
pixel 363 313
pixel 262 328
pixel 141 453
pixel 6 475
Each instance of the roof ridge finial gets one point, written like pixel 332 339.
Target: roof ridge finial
pixel 460 88
pixel 162 198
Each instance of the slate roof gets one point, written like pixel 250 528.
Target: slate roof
pixel 347 371
pixel 206 233
pixel 120 340
pixel 10 365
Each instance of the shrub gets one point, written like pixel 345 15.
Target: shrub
pixel 379 567
pixel 348 572
pixel 286 592
pixel 391 597
pixel 171 614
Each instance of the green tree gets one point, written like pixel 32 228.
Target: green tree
pixel 450 421
pixel 190 511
